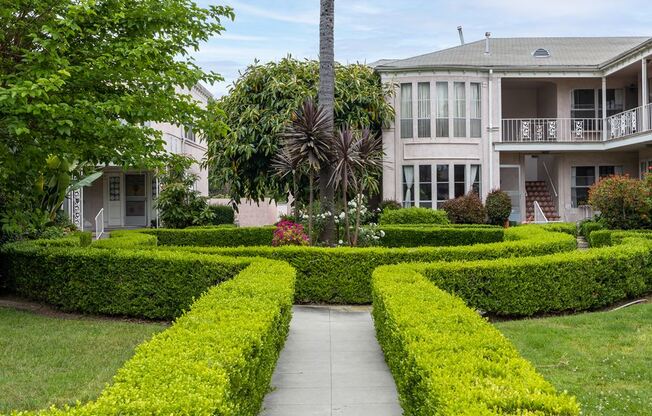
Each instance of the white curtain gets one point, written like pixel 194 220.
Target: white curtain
pixel 424 100
pixel 406 101
pixel 408 174
pixel 442 99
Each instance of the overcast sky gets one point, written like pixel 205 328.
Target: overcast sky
pixel 367 30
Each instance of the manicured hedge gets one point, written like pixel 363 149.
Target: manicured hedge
pixel 343 275
pixel 572 281
pixel 447 360
pixel 217 359
pixel 126 239
pixel 413 215
pixel 561 227
pixel 142 283
pixel 429 235
pixel 222 214
pixel 214 237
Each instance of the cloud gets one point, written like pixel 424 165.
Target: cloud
pixel 287 14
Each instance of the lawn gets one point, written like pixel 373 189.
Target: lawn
pixel 46 360
pixel 601 358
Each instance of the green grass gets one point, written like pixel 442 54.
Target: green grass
pixel 46 361
pixel 601 358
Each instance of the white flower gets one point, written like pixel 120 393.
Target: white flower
pixel 340 242
pixel 342 215
pixel 382 233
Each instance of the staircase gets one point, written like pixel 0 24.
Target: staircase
pixel 538 191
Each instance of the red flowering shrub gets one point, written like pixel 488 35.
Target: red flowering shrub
pixel 623 202
pixel 289 233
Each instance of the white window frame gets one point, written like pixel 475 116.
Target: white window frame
pixel 406 106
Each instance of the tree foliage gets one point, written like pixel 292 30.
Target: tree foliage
pixel 80 79
pixel 259 106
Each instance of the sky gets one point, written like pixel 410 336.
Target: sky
pixel 368 30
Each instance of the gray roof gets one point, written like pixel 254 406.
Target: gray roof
pixel 572 52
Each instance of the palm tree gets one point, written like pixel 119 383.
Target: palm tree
pixel 307 140
pixel 327 102
pixel 284 165
pixel 346 160
pixel 370 154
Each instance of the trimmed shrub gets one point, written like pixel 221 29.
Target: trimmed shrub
pixel 499 207
pixel 222 214
pixel 569 228
pixel 573 281
pixel 147 283
pixel 413 215
pixel 389 205
pixel 343 274
pixel 623 202
pixel 85 238
pixel 588 226
pixel 404 236
pixel 214 236
pixel 447 360
pixel 467 209
pixel 217 359
pixel 126 239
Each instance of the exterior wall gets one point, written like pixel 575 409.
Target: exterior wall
pixel 250 214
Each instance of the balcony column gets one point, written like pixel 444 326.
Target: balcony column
pixel 604 109
pixel 644 93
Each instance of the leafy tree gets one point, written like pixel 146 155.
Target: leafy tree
pixel 79 79
pixel 259 106
pixel 623 202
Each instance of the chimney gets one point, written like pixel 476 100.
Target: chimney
pixel 461 33
pixel 487 51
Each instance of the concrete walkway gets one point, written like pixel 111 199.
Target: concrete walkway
pixel 332 365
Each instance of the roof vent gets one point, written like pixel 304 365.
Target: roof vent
pixel 541 53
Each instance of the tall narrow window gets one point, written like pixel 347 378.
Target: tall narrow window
pixel 459 120
pixel 583 104
pixel 442 109
pixel 425 186
pixel 476 179
pixel 606 171
pixel 408 186
pixel 476 110
pixel 406 111
pixel 188 133
pixel 423 124
pixel 582 177
pixel 443 185
pixel 459 177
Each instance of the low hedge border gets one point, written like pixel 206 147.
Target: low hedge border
pixel 126 239
pixel 572 281
pixel 343 275
pixel 413 215
pixel 142 283
pixel 437 236
pixel 217 359
pixel 447 360
pixel 214 236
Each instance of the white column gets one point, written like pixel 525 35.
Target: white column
pixel 604 109
pixel 644 93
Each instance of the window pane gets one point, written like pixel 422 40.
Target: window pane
pixel 459 173
pixel 408 186
pixel 406 111
pixel 460 110
pixel 442 192
pixel 442 173
pixel 475 176
pixel 423 125
pixel 582 177
pixel 460 180
pixel 425 186
pixel 442 109
pixel 583 105
pixel 476 110
pixel 443 185
pixel 425 173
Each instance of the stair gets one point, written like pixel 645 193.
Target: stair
pixel 538 191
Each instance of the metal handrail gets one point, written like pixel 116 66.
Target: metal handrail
pixel 99 224
pixel 545 167
pixel 539 216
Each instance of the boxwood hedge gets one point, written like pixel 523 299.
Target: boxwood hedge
pixel 445 235
pixel 217 359
pixel 213 236
pixel 413 215
pixel 447 360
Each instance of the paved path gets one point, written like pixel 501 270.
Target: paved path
pixel 332 365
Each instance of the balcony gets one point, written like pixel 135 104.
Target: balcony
pixel 630 123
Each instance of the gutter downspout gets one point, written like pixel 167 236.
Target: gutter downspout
pixel 490 130
pixel 604 109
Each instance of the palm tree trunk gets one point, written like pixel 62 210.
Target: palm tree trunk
pixel 310 213
pixel 345 190
pixel 327 101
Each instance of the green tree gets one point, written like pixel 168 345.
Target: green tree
pixel 80 79
pixel 260 105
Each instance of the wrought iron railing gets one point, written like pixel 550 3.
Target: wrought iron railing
pixel 636 120
pixel 552 130
pixel 99 224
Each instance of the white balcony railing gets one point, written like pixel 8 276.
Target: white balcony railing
pixel 573 130
pixel 99 224
pixel 552 130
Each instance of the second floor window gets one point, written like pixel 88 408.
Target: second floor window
pixel 188 133
pixel 587 103
pixel 406 111
pixel 442 109
pixel 476 110
pixel 459 122
pixel 423 123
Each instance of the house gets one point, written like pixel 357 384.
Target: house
pixel 540 118
pixel 125 198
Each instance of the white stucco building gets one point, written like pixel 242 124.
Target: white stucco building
pixel 125 198
pixel 525 115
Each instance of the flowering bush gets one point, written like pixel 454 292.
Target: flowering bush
pixel 289 233
pixel 370 235
pixel 623 202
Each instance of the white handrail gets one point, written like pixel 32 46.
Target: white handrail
pixel 539 216
pixel 545 167
pixel 99 224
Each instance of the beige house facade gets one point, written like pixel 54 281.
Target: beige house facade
pixel 524 115
pixel 126 198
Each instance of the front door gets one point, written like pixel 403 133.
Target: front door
pixel 510 183
pixel 135 200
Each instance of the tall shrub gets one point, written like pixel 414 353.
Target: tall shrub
pixel 499 206
pixel 467 209
pixel 623 202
